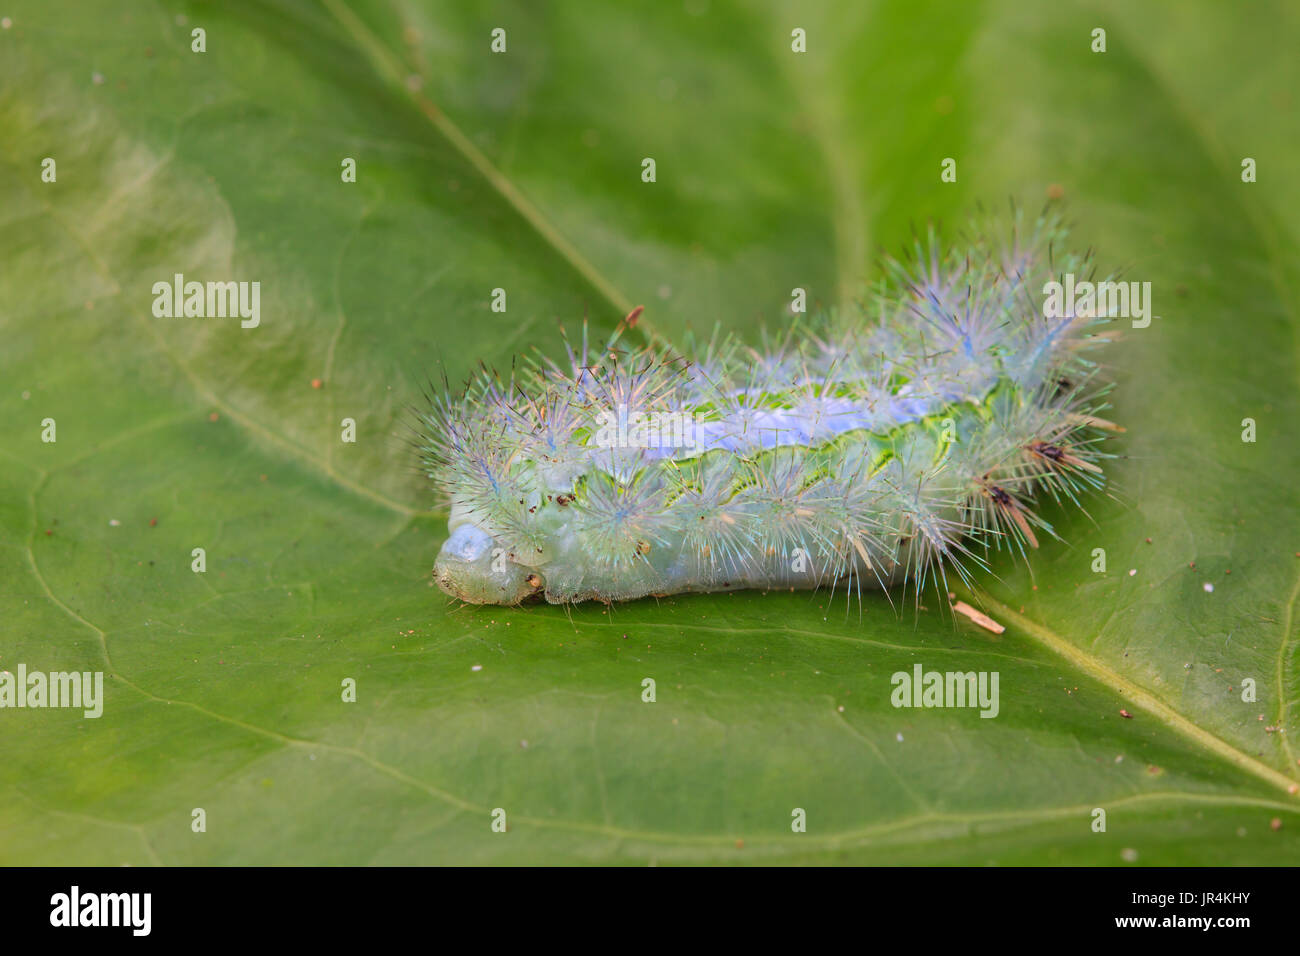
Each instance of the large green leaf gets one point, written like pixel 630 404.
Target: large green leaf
pixel 522 171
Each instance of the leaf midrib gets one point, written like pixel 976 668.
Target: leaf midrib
pixel 388 66
pixel 1130 691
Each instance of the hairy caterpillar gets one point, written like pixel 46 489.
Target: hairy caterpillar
pixel 882 445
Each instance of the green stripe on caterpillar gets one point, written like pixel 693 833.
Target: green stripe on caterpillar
pixel 886 444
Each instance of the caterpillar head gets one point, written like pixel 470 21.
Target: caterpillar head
pixel 472 566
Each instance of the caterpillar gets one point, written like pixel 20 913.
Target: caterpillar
pixel 883 444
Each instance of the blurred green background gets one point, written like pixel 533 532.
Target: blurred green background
pixel 522 170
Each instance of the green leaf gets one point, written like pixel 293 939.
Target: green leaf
pixel 522 171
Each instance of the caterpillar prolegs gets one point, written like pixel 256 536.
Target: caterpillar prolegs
pixel 880 444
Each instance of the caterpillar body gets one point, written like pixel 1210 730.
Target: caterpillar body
pixel 879 445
